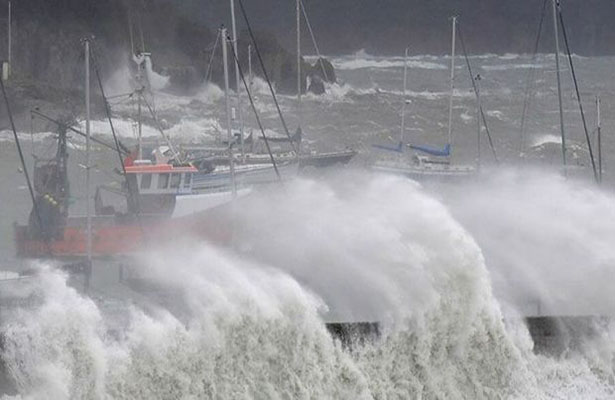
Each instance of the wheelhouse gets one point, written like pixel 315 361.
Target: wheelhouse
pixel 160 178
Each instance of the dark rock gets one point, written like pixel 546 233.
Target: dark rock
pixel 324 70
pixel 317 86
pixel 281 65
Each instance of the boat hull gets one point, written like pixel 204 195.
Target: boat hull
pixel 113 236
pixel 436 172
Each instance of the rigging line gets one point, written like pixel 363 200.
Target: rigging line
pixel 70 128
pixel 211 46
pixel 211 59
pixel 23 165
pixel 307 22
pixel 78 152
pixel 530 77
pixel 159 127
pixel 31 135
pixel 129 196
pixel 141 32
pixel 121 95
pixel 258 120
pixel 482 113
pixel 132 43
pixel 576 87
pixel 262 64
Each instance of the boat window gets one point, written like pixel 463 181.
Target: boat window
pixel 187 180
pixel 146 181
pixel 175 180
pixel 163 181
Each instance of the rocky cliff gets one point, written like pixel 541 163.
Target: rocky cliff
pixel 388 26
pixel 47 65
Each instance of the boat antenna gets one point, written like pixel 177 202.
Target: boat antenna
pixel 23 162
pixel 239 110
pixel 452 85
pixel 576 88
pixel 559 86
pixel 262 64
pixel 258 120
pixel 231 160
pixel 530 78
pixel 476 93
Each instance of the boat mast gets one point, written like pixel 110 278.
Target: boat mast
pixel 87 157
pixel 478 120
pixel 10 39
pixel 140 60
pixel 599 132
pixel 403 107
pixel 243 152
pixel 250 66
pixel 559 84
pixel 452 85
pixel 228 111
pixel 139 121
pixel 299 111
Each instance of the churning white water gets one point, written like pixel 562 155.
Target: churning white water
pixel 248 322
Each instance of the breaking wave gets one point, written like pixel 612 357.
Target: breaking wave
pixel 362 63
pixel 557 258
pixel 156 81
pixel 249 323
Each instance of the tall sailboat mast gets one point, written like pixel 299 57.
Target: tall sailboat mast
pixel 239 110
pixel 87 157
pixel 139 60
pixel 452 85
pixel 479 127
pixel 299 111
pixel 10 45
pixel 139 118
pixel 231 160
pixel 559 84
pixel 403 107
pixel 599 132
pixel 250 67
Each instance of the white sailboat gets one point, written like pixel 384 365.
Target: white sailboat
pixel 427 162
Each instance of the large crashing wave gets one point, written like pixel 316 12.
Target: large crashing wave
pixel 251 320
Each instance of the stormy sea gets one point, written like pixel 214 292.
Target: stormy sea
pixel 449 272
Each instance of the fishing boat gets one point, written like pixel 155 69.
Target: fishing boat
pixel 159 200
pixel 161 204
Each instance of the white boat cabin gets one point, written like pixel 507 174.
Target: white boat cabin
pixel 155 179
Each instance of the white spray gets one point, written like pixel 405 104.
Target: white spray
pixel 249 323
